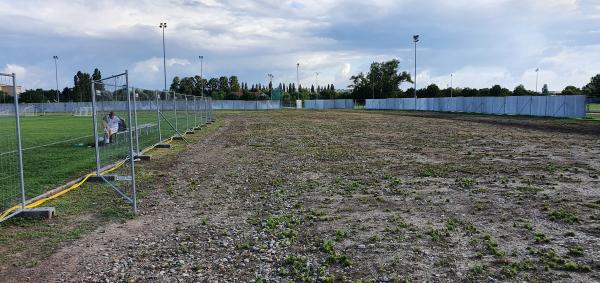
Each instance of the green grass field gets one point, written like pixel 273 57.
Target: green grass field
pixel 57 149
pixel 594 107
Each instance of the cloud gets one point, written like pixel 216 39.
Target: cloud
pixel 19 71
pixel 482 42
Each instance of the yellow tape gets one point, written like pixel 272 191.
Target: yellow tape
pixel 73 187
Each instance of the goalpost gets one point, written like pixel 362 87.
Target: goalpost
pixel 83 112
pixel 28 111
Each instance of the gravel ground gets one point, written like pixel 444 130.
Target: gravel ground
pixel 358 196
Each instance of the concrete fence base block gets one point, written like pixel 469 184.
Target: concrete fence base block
pixel 178 138
pixel 98 179
pixel 189 132
pixel 37 213
pixel 163 145
pixel 142 157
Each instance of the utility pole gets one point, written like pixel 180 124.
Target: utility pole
pixel 56 76
pixel 298 78
pixel 163 26
pixel 201 74
pixel 415 40
pixel 537 76
pixel 451 84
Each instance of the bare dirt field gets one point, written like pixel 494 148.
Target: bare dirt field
pixel 325 196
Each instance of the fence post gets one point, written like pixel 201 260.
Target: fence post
pixel 95 121
pixel 135 120
pixel 131 156
pixel 175 110
pixel 158 116
pixel 195 113
pixel 187 114
pixel 19 146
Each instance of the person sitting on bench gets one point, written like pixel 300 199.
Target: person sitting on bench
pixel 110 123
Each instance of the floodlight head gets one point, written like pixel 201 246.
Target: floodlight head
pixel 55 57
pixel 298 64
pixel 416 38
pixel 162 25
pixel 201 57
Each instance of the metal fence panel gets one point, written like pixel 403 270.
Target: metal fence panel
pixel 553 106
pixel 12 187
pixel 114 133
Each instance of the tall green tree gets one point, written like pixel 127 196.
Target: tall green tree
pixel 571 90
pixel 593 88
pixel 234 84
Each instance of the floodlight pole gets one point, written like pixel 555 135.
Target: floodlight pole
pixel 298 78
pixel 201 75
pixel 451 85
pixel 56 76
pixel 415 40
pixel 163 26
pixel 537 76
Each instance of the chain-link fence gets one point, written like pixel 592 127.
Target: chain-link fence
pixel 114 127
pixel 12 187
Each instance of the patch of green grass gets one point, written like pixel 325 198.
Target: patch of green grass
pixel 512 269
pixel 540 237
pixel 564 215
pixel 433 171
pixel 340 235
pixel 576 250
pixel 492 246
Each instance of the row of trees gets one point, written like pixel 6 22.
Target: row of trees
pixel 80 92
pixel 384 80
pixel 231 88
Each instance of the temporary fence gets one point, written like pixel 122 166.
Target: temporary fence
pixel 63 146
pixel 329 104
pixel 12 187
pixel 567 106
pixel 246 105
pixel 114 134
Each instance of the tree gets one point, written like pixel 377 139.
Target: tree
pixel 433 91
pixel 520 90
pixel 593 88
pixel 175 85
pixel 96 76
pixel 497 90
pixel 382 80
pixel 571 90
pixel 234 84
pixel 82 83
pixel 545 90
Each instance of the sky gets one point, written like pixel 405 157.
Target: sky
pixel 480 42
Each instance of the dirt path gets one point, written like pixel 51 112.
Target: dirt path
pixel 342 196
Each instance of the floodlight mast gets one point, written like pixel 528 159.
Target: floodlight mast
pixel 537 76
pixel 201 74
pixel 163 26
pixel 415 40
pixel 451 84
pixel 56 76
pixel 298 78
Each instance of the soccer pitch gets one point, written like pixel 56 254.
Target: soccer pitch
pixel 57 147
